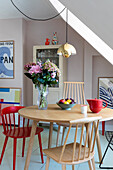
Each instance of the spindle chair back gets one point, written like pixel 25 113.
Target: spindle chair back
pixel 76 152
pixel 11 119
pixel 74 90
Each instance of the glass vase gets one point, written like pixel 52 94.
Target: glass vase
pixel 43 91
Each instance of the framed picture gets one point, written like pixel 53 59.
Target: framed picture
pixel 10 96
pixel 105 90
pixel 7 59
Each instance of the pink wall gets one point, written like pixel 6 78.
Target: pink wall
pixel 12 30
pixel 100 65
pixel 26 34
pixel 37 32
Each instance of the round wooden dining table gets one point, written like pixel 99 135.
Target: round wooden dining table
pixel 55 114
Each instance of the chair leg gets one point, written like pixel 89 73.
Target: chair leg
pixel 58 135
pixel 103 127
pixel 105 154
pixel 93 163
pixel 40 145
pixel 14 153
pixel 90 165
pixel 4 147
pixel 47 163
pixel 63 135
pixel 73 167
pixel 23 147
pixel 63 167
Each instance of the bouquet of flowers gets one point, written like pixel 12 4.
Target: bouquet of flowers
pixel 42 75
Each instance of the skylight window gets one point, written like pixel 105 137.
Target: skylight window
pixel 85 32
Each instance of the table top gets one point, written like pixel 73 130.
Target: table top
pixel 55 114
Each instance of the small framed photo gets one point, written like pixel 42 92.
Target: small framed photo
pixel 105 90
pixel 7 59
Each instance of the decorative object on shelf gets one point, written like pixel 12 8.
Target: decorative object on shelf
pixel 66 49
pixel 42 75
pixel 47 41
pixel 55 39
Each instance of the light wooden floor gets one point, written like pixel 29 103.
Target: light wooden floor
pixel 35 163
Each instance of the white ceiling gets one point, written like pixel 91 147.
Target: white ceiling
pixel 33 8
pixel 96 15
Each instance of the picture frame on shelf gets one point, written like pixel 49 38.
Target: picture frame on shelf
pixel 105 90
pixel 7 59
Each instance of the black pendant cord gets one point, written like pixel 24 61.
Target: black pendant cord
pixel 66 25
pixel 36 19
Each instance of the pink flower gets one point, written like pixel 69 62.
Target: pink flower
pixel 53 75
pixel 29 65
pixel 35 69
pixel 39 63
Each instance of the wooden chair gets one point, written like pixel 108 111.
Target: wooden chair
pixel 74 90
pixel 20 130
pixel 76 152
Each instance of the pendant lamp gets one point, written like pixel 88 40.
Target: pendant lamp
pixel 66 49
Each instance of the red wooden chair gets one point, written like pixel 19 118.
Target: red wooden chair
pixel 16 131
pixel 1 100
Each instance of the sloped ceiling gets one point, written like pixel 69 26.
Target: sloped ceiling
pixel 33 8
pixel 96 14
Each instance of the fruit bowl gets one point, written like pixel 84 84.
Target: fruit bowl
pixel 66 106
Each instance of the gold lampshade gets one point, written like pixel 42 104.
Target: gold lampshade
pixel 66 50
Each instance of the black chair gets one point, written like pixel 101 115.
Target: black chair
pixel 109 137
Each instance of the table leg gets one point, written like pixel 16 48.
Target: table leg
pixel 33 130
pixel 50 134
pixel 99 146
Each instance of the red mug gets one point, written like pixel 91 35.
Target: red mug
pixel 96 105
